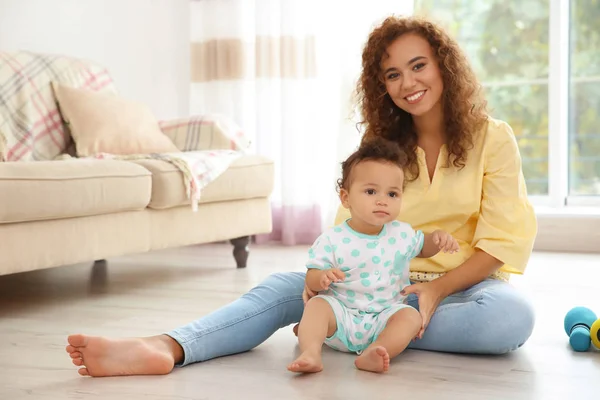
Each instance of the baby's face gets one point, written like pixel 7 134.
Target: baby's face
pixel 375 194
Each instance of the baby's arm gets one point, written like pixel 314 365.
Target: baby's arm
pixel 429 249
pixel 319 279
pixel 321 272
pixel 437 241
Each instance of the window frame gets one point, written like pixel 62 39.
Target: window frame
pixel 558 118
pixel 559 88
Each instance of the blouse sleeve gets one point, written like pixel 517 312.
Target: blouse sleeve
pixel 507 224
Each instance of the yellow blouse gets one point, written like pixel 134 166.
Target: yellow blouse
pixel 484 205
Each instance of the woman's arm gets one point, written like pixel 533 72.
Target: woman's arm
pixel 507 224
pixel 474 270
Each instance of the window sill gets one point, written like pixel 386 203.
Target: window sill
pixel 567 211
pixel 568 229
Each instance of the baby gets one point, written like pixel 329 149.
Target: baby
pixel 361 266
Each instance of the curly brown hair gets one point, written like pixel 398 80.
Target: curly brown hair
pixel 376 149
pixel 463 103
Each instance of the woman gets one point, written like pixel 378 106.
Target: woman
pixel 465 177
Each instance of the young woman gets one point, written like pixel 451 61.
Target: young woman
pixel 464 177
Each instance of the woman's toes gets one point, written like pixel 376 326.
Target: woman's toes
pixel 76 354
pixel 70 349
pixel 83 372
pixel 77 340
pixel 77 361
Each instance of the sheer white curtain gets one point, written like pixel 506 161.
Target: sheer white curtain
pixel 284 70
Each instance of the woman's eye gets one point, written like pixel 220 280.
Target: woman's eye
pixel 393 76
pixel 370 191
pixel 418 66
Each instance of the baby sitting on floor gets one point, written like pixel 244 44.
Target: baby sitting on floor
pixel 360 267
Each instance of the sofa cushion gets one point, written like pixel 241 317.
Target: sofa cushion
pixel 248 177
pixel 42 190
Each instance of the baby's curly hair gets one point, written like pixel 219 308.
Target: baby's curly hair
pixel 375 149
pixel 464 106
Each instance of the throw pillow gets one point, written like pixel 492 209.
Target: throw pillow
pixel 108 123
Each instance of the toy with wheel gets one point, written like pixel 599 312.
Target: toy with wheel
pixel 583 328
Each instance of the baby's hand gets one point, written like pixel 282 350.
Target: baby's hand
pixel 331 275
pixel 445 242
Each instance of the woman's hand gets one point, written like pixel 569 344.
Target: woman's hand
pixel 430 296
pixel 307 294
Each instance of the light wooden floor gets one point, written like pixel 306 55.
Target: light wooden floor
pixel 151 293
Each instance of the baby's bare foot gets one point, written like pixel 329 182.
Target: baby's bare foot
pixel 99 356
pixel 307 363
pixel 374 359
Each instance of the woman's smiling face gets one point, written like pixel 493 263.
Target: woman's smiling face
pixel 411 74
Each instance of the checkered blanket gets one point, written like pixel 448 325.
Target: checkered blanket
pixel 31 126
pixel 198 168
pixel 208 144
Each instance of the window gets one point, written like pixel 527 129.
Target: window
pixel 507 44
pixel 537 62
pixel 584 98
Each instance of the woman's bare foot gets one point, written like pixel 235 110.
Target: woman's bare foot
pixel 307 363
pixel 99 356
pixel 374 359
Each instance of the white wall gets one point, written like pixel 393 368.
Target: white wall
pixel 144 43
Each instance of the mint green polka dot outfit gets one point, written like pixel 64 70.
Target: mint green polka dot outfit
pixel 376 268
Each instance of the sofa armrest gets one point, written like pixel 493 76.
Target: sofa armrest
pixel 205 132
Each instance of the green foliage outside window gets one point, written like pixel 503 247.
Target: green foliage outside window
pixel 507 42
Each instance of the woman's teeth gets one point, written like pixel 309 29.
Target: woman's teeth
pixel 416 96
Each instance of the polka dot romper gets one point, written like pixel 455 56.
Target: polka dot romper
pixel 376 268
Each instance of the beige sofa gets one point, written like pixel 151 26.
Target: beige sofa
pixel 57 210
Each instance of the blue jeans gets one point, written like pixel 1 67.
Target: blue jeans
pixel 491 317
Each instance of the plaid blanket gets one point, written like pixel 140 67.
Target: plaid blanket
pixel 198 168
pixel 205 132
pixel 31 126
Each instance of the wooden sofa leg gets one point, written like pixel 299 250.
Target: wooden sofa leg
pixel 99 276
pixel 241 250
